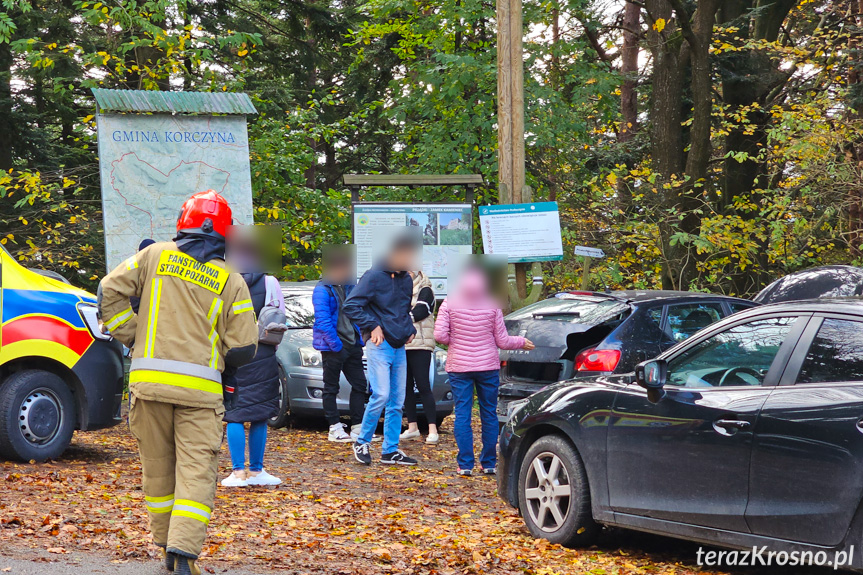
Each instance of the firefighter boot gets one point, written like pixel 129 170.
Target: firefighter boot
pixel 184 565
pixel 168 558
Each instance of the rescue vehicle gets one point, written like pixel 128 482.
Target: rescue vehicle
pixel 58 371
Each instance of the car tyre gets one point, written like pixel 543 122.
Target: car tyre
pixel 37 416
pixel 281 418
pixel 553 493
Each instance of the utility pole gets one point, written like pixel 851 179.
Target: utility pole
pixel 510 115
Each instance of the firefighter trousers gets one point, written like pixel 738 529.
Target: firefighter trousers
pixel 179 447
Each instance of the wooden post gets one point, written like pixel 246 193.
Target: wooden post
pixel 510 114
pixel 585 274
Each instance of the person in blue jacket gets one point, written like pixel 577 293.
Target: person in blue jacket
pixel 340 343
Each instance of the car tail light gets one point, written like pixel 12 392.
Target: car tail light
pixel 597 360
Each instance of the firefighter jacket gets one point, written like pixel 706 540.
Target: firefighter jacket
pixel 191 316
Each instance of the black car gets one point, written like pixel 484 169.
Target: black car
pixel 588 333
pixel 824 281
pixel 749 433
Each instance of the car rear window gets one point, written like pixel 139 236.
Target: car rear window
pixel 584 310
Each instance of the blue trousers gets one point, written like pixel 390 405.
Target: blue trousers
pixel 257 442
pixel 463 385
pixel 387 370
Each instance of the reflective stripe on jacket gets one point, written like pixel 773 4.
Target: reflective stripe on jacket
pixel 190 315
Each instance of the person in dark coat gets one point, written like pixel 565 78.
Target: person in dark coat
pixel 255 396
pixel 135 301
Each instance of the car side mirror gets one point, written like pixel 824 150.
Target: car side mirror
pixel 651 374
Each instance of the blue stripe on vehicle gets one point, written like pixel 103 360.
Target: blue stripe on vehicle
pixel 19 302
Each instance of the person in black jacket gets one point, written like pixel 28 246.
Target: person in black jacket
pixel 135 301
pixel 380 305
pixel 255 396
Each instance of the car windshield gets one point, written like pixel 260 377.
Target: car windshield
pixel 585 310
pixel 299 311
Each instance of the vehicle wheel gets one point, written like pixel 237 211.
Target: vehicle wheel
pixel 281 418
pixel 553 494
pixel 37 416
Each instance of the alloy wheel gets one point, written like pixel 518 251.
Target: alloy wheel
pixel 547 492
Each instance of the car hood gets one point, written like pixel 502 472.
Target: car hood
pixel 298 337
pixel 549 336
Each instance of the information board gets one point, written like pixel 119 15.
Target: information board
pixel 150 164
pixel 445 228
pixel 522 232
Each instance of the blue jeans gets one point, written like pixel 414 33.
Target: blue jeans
pixel 237 445
pixel 387 370
pixel 463 385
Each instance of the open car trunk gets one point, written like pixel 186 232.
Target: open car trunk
pixel 560 328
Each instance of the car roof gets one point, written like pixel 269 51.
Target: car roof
pixel 851 305
pixel 649 296
pixel 824 281
pixel 298 288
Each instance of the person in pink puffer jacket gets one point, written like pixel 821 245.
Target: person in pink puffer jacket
pixel 471 323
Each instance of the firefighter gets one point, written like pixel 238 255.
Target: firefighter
pixel 195 320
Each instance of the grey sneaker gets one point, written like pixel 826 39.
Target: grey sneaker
pixel 361 453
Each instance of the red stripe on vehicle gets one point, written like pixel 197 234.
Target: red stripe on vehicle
pixel 47 328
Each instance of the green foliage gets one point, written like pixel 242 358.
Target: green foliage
pixel 407 86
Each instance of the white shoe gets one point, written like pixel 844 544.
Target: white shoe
pixel 407 434
pixel 355 433
pixel 234 480
pixel 338 434
pixel 432 439
pixel 263 479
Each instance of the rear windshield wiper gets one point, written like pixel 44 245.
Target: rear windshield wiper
pixel 540 314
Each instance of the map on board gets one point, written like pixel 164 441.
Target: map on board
pixel 150 165
pixel 446 230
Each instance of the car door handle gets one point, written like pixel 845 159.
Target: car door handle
pixel 729 427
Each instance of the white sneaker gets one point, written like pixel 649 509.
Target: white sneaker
pixel 338 434
pixel 355 433
pixel 263 478
pixel 407 434
pixel 432 439
pixel 233 480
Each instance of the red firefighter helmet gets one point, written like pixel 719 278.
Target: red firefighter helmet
pixel 207 212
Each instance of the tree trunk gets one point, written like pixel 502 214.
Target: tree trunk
pixel 629 71
pixel 7 125
pixel 854 149
pixel 680 45
pixel 666 137
pixel 748 77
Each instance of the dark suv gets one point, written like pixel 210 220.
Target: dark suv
pixel 590 333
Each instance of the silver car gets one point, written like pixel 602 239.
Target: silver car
pixel 302 374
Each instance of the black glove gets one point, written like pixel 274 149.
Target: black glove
pixel 229 388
